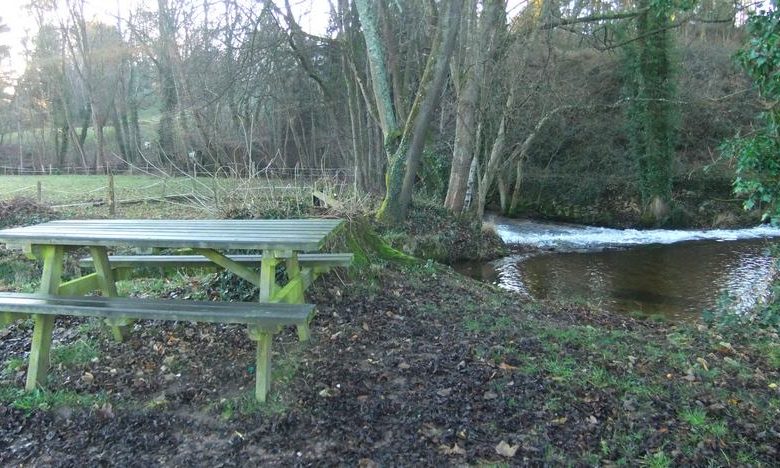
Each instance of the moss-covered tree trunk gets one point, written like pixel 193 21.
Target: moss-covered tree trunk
pixel 651 111
pixel 404 161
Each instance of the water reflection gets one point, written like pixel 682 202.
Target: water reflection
pixel 677 280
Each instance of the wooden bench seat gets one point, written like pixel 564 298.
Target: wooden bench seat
pixel 262 320
pixel 327 260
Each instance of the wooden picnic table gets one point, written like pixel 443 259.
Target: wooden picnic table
pixel 279 240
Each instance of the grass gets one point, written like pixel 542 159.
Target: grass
pixel 279 399
pixel 209 195
pixel 78 353
pixel 46 400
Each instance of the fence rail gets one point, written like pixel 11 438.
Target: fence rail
pixel 344 174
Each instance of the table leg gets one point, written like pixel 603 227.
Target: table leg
pixel 263 337
pixel 44 324
pixel 107 283
pixel 296 295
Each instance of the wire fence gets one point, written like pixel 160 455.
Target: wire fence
pixel 345 174
pixel 210 192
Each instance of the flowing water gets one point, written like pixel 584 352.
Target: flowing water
pixel 674 273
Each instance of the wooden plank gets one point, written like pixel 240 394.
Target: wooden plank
pixel 267 282
pixel 40 348
pixel 309 260
pixel 221 234
pixel 230 265
pixel 107 283
pixel 263 337
pixel 85 284
pixel 253 313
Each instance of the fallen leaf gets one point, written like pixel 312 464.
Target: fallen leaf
pixel 454 450
pixel 367 463
pixel 725 347
pixel 403 365
pixel 559 421
pixel 505 366
pixel 444 392
pixel 329 392
pixel 506 450
pixel 703 363
pixel 106 411
pixel 429 430
pixel 88 378
pixel 490 396
pixel 592 419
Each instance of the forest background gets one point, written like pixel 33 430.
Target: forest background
pixel 602 112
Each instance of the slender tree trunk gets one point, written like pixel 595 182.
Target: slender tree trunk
pixel 100 156
pixel 402 169
pixel 517 190
pixel 479 46
pixel 376 60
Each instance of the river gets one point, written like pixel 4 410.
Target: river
pixel 676 274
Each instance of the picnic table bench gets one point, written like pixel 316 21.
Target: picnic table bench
pixel 279 305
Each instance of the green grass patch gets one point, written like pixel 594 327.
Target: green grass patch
pixel 695 417
pixel 42 400
pixel 78 353
pixel 13 365
pixel 278 400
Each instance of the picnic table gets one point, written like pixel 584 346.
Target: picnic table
pixel 205 242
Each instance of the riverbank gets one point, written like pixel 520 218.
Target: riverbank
pixel 408 365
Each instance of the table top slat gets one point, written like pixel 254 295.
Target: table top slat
pixel 303 234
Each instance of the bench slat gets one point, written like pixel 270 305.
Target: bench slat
pixel 260 314
pixel 125 261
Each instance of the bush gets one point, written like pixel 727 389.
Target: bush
pixel 434 232
pixel 23 212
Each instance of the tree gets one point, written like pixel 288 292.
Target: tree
pixel 98 52
pixel 651 114
pixel 404 145
pixel 758 155
pixel 478 44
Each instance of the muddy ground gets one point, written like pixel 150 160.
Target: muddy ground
pixel 412 366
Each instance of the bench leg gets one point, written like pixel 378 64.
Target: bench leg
pixel 38 367
pixel 263 338
pixel 105 278
pixel 39 352
pixel 296 296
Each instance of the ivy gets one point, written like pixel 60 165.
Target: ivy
pixel 758 156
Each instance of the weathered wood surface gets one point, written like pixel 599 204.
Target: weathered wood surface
pixel 294 234
pixel 129 261
pixel 262 319
pixel 251 313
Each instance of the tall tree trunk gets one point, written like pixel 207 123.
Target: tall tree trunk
pixel 100 155
pixel 403 165
pixel 480 45
pixel 376 61
pixel 653 135
pixel 119 134
pixel 431 102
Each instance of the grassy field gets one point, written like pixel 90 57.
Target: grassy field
pixel 175 196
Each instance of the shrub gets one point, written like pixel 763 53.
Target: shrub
pixel 23 212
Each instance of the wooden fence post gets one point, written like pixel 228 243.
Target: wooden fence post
pixel 111 196
pixel 40 192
